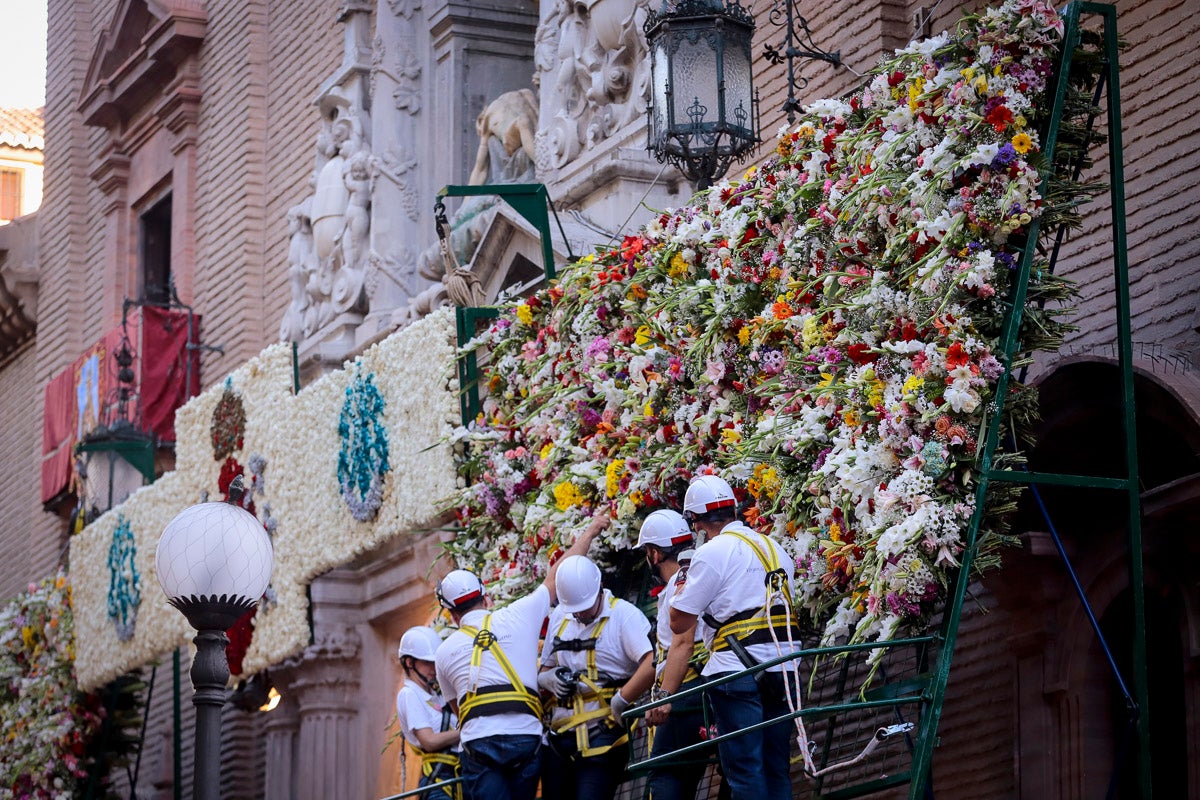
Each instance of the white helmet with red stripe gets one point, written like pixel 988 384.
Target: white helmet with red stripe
pixel 666 529
pixel 708 493
pixel 458 587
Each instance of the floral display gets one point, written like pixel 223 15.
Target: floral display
pixel 363 458
pixel 124 581
pixel 46 723
pixel 822 331
pixel 302 505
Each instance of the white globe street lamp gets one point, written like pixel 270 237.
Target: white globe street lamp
pixel 214 563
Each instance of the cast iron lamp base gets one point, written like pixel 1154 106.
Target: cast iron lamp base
pixel 211 617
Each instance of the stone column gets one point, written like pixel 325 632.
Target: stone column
pixel 282 733
pixel 326 691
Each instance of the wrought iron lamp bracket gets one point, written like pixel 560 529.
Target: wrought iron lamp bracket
pixel 798 43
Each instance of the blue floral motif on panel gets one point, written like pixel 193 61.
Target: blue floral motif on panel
pixel 124 584
pixel 363 458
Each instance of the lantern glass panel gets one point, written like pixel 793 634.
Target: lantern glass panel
pixel 738 91
pixel 660 78
pixel 694 68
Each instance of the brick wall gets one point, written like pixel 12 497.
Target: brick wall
pixel 262 65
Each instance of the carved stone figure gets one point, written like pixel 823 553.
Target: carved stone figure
pixel 506 128
pixel 332 194
pixel 353 239
pixel 301 316
pixel 599 69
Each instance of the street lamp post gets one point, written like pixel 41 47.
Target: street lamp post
pixel 214 562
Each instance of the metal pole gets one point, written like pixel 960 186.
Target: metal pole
pixel 210 673
pixel 177 737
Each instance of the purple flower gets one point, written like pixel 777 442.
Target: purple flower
pixel 1005 156
pixel 589 419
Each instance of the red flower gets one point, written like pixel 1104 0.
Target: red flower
pixel 999 117
pixel 956 356
pixel 861 354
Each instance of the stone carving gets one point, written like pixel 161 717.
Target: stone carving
pixel 300 319
pixel 329 231
pixel 406 75
pixel 506 129
pixel 593 71
pixel 395 164
pixel 404 8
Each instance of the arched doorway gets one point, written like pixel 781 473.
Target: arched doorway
pixel 1071 722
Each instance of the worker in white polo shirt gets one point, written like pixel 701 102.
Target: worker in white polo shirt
pixel 488 669
pixel 596 661
pixel 426 721
pixel 667 542
pixel 740 583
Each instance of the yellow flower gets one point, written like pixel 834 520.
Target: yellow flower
pixel 1022 143
pixel 835 532
pixel 546 450
pixel 765 481
pixel 810 331
pixel 913 383
pixel 567 495
pixel 678 267
pixel 635 497
pixel 730 436
pixel 915 89
pixel 876 396
pixel 525 314
pixel 744 335
pixel 749 173
pixel 648 411
pixel 642 336
pixel 612 477
pixel 851 418
pixel 826 379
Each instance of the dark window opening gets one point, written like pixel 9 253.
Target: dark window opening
pixel 154 235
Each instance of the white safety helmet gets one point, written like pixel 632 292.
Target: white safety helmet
pixel 708 493
pixel 578 583
pixel 666 529
pixel 420 642
pixel 458 587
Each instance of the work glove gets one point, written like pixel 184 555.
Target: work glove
pixel 550 681
pixel 617 706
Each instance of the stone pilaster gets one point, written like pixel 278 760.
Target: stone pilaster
pixel 282 734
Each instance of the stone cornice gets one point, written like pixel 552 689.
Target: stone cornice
pixel 114 92
pixel 111 174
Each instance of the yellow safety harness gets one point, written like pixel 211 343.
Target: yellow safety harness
pixel 591 691
pixel 430 763
pixel 757 626
pixel 696 661
pixel 510 698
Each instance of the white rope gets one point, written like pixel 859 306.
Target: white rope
pixel 791 690
pixel 794 691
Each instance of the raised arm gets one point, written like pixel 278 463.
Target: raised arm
pixel 579 548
